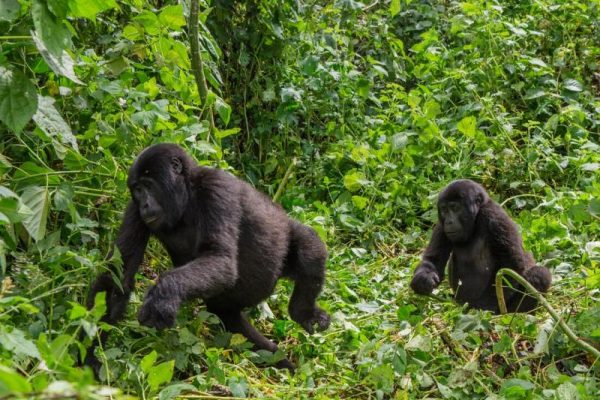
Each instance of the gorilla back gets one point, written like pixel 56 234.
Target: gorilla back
pixel 228 242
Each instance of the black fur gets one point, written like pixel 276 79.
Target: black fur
pixel 482 239
pixel 228 242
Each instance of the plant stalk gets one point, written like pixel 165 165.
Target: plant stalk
pixel 532 291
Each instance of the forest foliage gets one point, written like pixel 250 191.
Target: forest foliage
pixel 353 116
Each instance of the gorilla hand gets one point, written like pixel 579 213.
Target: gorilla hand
pixel 424 281
pixel 157 311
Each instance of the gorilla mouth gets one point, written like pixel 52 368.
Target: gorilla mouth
pixel 150 220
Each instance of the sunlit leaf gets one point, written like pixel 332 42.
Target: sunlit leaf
pixel 12 383
pixel 395 7
pixel 160 374
pixel 172 16
pixel 467 126
pixel 89 8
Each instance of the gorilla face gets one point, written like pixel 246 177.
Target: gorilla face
pixel 457 221
pixel 458 206
pixel 157 182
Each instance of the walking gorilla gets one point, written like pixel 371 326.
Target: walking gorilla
pixel 228 242
pixel 482 239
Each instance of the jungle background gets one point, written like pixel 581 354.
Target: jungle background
pixel 352 115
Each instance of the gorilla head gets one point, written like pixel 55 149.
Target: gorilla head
pixel 158 181
pixel 458 206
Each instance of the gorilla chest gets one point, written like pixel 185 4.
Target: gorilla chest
pixel 472 269
pixel 183 245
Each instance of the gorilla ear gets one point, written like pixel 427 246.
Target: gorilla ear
pixel 176 164
pixel 479 199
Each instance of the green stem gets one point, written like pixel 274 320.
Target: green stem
pixel 533 292
pixel 197 64
pixel 284 181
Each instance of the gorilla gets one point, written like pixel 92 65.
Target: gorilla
pixel 229 245
pixel 482 239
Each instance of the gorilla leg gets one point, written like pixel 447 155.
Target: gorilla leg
pixel 236 322
pixel 305 265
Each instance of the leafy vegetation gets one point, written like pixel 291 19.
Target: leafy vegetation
pixel 354 116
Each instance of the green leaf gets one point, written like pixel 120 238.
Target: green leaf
pixel 172 391
pixel 52 39
pixel 9 10
pixel 18 99
pixel 90 8
pixel 6 192
pixel 354 180
pixel 573 85
pixel 149 21
pixel 60 61
pixel 172 17
pixel 516 387
pixel 12 382
pixel 467 126
pixel 223 109
pixel 16 342
pixel 161 373
pixel 37 200
pixel 567 391
pixel 77 311
pixel 309 64
pixel 359 202
pixel 51 122
pixel 148 361
pixel 220 134
pixel 395 7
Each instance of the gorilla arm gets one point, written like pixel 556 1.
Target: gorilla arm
pixel 131 241
pixel 430 271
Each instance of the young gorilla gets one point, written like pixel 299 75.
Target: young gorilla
pixel 482 239
pixel 228 242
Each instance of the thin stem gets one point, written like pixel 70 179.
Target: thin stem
pixel 198 65
pixel 285 179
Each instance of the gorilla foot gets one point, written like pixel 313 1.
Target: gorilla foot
pixel 286 364
pixel 309 318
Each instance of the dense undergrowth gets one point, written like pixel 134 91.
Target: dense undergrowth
pixel 370 109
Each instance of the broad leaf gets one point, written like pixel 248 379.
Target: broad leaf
pixel 60 61
pixel 9 10
pixel 395 7
pixel 573 85
pixel 223 109
pixel 467 126
pixel 172 17
pixel 52 123
pixel 161 373
pixel 18 99
pixel 16 342
pixel 12 382
pixel 90 8
pixel 37 200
